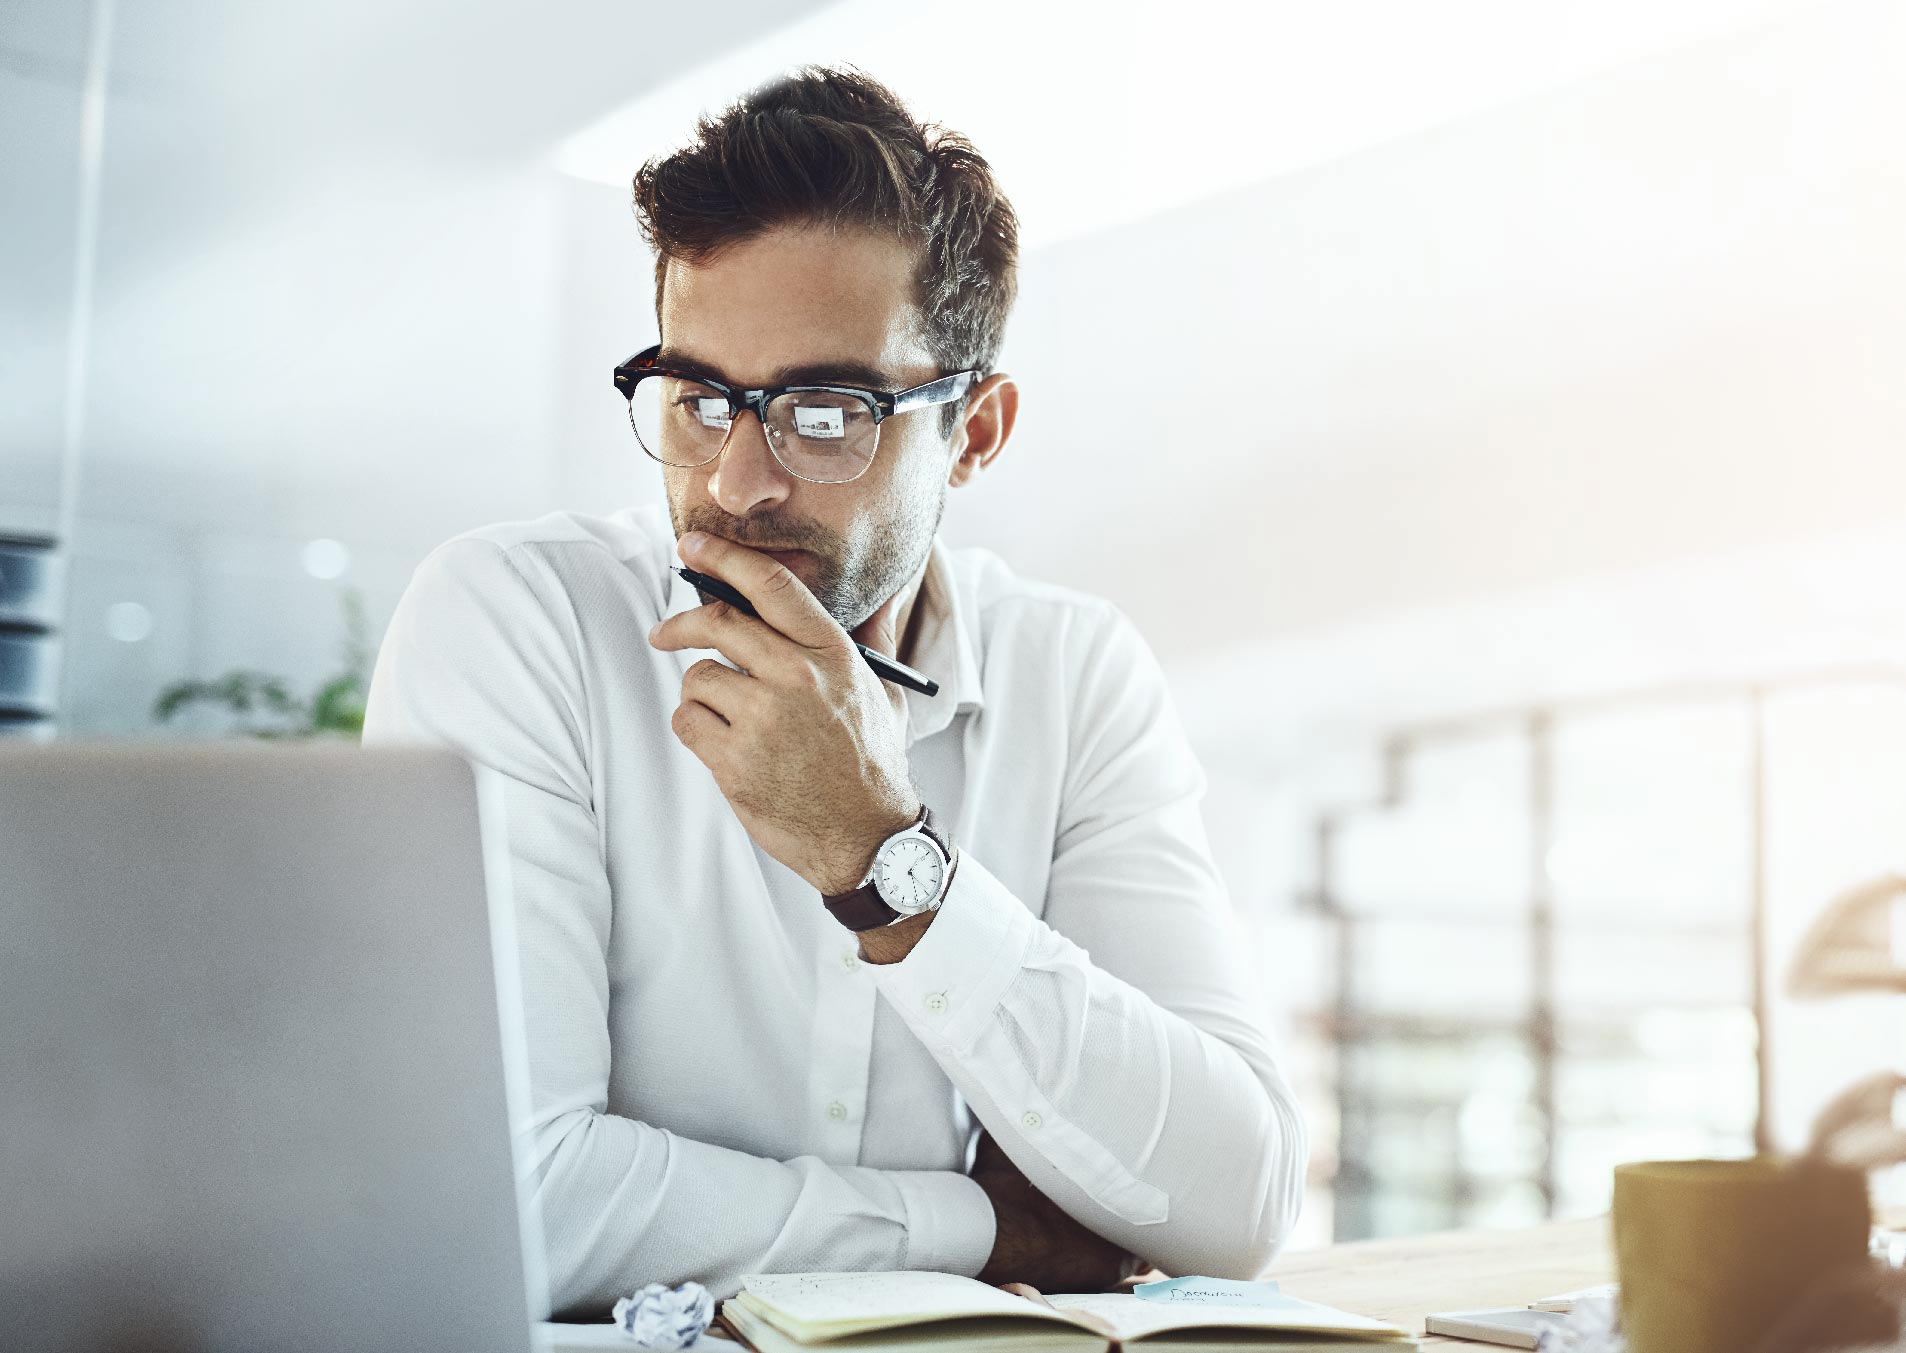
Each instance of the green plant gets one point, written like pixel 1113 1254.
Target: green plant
pixel 335 709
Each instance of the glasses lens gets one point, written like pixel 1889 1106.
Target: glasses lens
pixel 823 435
pixel 679 421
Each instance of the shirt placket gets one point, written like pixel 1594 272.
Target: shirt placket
pixel 842 1048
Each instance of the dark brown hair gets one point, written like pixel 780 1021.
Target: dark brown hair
pixel 835 148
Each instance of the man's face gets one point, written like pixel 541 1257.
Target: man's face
pixel 795 298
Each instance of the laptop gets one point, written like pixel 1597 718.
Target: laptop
pixel 257 1058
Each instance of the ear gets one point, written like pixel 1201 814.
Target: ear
pixel 991 407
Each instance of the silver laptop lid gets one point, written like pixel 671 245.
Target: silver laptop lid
pixel 252 1083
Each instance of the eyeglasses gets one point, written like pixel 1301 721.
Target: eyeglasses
pixel 825 434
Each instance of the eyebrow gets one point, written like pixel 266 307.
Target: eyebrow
pixel 845 371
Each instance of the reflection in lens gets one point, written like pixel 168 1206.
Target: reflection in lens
pixel 822 435
pixel 679 421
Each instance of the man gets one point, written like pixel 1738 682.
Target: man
pixel 766 996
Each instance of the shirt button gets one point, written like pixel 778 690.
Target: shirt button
pixel 936 1001
pixel 837 1110
pixel 1030 1119
pixel 850 960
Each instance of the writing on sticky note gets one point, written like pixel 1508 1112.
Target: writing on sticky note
pixel 1196 1291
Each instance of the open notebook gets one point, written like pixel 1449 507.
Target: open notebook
pixel 920 1312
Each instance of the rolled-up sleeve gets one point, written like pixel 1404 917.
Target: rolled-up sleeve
pixel 1110 1045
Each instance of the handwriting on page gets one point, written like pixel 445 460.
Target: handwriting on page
pixel 1210 1292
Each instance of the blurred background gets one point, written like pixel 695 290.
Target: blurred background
pixel 1491 412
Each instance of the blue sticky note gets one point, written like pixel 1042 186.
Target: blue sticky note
pixel 1195 1291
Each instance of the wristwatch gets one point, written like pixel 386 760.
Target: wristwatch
pixel 909 875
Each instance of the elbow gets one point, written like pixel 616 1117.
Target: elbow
pixel 556 1163
pixel 1272 1209
pixel 1238 1223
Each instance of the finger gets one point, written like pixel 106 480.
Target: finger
pixel 1026 1290
pixel 721 688
pixel 988 1156
pixel 742 639
pixel 782 599
pixel 699 729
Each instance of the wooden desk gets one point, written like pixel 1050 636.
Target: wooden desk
pixel 1405 1279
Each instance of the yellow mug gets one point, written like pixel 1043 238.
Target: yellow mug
pixel 1712 1253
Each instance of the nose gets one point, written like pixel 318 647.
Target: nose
pixel 746 475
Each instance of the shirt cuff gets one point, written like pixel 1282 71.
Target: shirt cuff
pixel 950 1221
pixel 949 985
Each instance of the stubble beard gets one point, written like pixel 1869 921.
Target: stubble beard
pixel 894 553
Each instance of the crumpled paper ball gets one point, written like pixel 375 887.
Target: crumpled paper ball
pixel 1593 1326
pixel 659 1316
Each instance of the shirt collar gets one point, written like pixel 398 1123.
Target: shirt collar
pixel 944 647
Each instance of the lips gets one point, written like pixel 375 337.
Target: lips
pixel 784 556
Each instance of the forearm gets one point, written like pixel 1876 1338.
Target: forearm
pixel 624 1203
pixel 1123 1127
pixel 891 943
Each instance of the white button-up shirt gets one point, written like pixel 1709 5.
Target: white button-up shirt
pixel 719 1084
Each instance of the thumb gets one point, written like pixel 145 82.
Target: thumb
pixel 877 633
pixel 877 630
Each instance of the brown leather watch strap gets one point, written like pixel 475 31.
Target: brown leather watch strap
pixel 863 908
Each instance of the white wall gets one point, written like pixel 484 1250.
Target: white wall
pixel 1649 317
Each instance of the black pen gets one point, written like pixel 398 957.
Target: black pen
pixel 884 667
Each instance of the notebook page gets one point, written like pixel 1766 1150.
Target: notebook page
pixel 806 1303
pixel 958 1334
pixel 1134 1317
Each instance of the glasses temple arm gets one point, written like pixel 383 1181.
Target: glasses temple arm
pixel 942 391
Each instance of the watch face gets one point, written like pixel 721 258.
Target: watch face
pixel 908 874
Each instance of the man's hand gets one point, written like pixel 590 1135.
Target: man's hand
pixel 806 743
pixel 1036 1242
